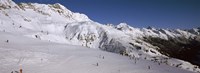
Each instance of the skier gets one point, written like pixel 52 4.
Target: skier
pixel 7 41
pixel 97 64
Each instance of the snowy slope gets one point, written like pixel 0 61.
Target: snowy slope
pixel 36 56
pixel 55 23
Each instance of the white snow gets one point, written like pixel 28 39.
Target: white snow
pixel 37 56
pixel 41 38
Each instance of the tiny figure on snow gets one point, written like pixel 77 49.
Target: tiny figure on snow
pixel 7 41
pixel 97 64
pixel 149 67
pixel 20 70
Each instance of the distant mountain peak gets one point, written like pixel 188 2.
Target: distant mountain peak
pixel 123 26
pixel 56 23
pixel 6 4
pixel 59 6
pixel 50 9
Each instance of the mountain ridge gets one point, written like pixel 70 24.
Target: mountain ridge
pixel 56 23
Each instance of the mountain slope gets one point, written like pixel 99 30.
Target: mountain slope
pixel 36 56
pixel 55 23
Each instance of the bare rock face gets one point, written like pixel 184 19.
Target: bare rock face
pixel 182 48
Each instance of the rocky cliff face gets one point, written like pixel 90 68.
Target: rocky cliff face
pixel 182 48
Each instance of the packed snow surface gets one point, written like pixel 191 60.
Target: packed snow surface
pixel 49 38
pixel 36 56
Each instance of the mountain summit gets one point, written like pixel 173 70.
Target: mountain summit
pixel 56 23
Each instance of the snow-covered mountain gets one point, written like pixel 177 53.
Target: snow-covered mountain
pixel 56 23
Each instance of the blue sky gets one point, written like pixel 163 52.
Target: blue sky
pixel 137 13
